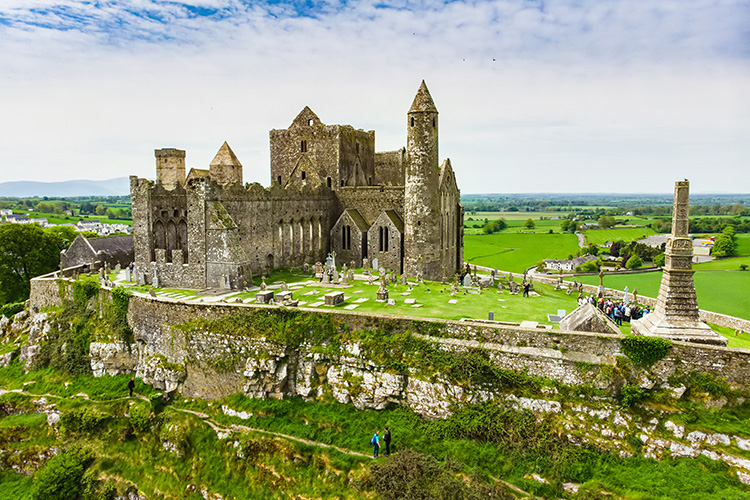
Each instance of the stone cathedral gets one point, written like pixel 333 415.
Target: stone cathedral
pixel 330 192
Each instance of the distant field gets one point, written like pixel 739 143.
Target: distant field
pixel 743 244
pixel 720 285
pixel 66 219
pixel 602 236
pixel 517 252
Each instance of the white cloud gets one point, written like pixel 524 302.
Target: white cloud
pixel 579 95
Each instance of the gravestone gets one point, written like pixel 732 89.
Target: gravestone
pixel 334 298
pixel 118 268
pixel 370 277
pixel 375 264
pixel 491 316
pixel 345 275
pixel 262 283
pixel 625 298
pixel 333 260
pixel 284 286
pixel 365 263
pixel 306 268
pixel 513 288
pixel 222 281
pixel 284 296
pixel 404 280
pixel 141 278
pixel 467 281
pixel 264 297
pixel 128 276
pixel 329 261
pixel 155 278
pixel 499 287
pixel 326 277
pixel 336 276
pixel 391 302
pixel 350 276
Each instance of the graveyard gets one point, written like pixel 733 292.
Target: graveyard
pixel 430 299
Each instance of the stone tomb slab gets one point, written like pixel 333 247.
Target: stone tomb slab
pixel 410 301
pixel 361 299
pixel 317 304
pixel 334 298
pixel 351 306
pixel 264 297
pixel 529 324
pixel 417 305
pixel 453 301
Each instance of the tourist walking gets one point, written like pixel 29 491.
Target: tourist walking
pixel 387 441
pixel 131 386
pixel 375 444
pixel 526 287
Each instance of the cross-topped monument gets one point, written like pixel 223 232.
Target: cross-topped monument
pixel 676 313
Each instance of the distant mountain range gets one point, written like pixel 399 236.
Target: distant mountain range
pixel 26 189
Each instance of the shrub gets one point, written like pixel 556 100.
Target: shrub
pixel 743 267
pixel 634 262
pixel 61 478
pixel 141 418
pixel 409 474
pixel 645 351
pixel 83 290
pixel 630 395
pixel 81 420
pixel 659 260
pixel 10 310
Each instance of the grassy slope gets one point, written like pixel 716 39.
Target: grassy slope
pixel 517 252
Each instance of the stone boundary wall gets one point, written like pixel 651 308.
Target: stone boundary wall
pixel 559 355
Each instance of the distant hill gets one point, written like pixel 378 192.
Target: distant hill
pixel 24 189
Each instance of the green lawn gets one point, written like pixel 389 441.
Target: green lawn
pixel 602 236
pixel 743 244
pixel 515 251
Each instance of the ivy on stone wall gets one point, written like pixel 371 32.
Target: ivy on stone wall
pixel 645 351
pixel 83 290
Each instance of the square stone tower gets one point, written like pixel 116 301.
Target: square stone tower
pixel 676 315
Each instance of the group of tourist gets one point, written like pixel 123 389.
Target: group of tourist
pixel 617 310
pixel 375 442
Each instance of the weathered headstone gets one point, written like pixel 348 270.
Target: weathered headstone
pixel 375 264
pixel 262 283
pixel 336 276
pixel 365 263
pixel 155 278
pixel 128 276
pixel 350 275
pixel 334 298
pixel 467 281
pixel 491 316
pixel 329 260
pixel 284 286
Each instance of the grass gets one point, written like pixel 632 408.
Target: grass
pixel 602 236
pixel 433 297
pixel 517 252
pixel 743 244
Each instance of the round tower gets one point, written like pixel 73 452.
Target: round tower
pixel 170 167
pixel 421 200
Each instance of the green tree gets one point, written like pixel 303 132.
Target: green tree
pixel 565 225
pixel 725 244
pixel 529 224
pixel 659 260
pixel 26 250
pixel 634 262
pixel 606 221
pixel 100 210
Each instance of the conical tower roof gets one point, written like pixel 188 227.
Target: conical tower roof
pixel 423 102
pixel 225 157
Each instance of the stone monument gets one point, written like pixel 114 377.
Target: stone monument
pixel 676 313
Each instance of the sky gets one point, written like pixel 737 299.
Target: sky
pixel 534 96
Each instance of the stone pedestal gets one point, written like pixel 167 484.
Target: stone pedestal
pixel 676 314
pixel 382 294
pixel 284 296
